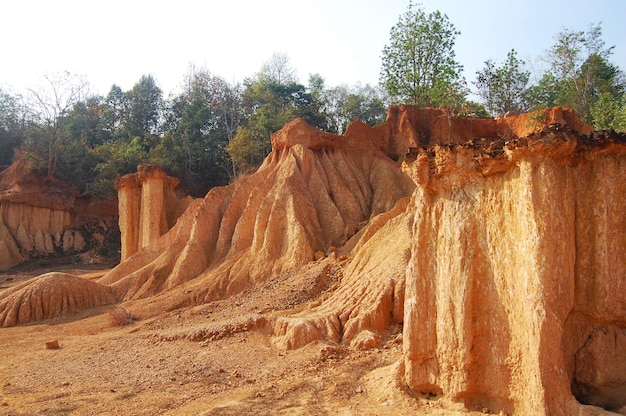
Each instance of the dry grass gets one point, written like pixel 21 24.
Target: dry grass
pixel 121 316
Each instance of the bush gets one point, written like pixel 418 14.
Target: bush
pixel 121 316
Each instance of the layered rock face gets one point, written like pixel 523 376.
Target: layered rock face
pixel 497 243
pixel 516 284
pixel 39 217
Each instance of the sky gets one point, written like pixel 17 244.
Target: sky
pixel 118 41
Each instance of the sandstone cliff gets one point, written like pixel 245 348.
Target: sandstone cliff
pixel 516 280
pixel 498 243
pixel 40 216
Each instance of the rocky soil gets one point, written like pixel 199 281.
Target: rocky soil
pixel 203 360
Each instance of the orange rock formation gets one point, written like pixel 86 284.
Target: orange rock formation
pixel 39 216
pixel 148 207
pixel 498 243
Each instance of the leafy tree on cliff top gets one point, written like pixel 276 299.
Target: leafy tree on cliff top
pixel 580 73
pixel 418 64
pixel 503 88
pixel 343 104
pixel 270 100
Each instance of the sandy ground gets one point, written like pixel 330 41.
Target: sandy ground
pixel 196 361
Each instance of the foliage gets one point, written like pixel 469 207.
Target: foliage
pixel 51 102
pixel 580 63
pixel 418 64
pixel 503 88
pixel 341 105
pixel 143 108
pixel 546 93
pixel 609 113
pixel 198 128
pixel 212 131
pixel 244 150
pixel 116 159
pixel 269 101
pixel 13 125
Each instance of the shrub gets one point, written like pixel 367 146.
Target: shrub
pixel 121 316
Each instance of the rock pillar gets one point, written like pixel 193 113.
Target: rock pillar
pixel 129 201
pixel 145 198
pixel 151 214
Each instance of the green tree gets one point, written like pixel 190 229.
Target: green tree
pixel 198 129
pixel 84 133
pixel 580 62
pixel 13 125
pixel 244 150
pixel 418 64
pixel 144 107
pixel 609 113
pixel 116 158
pixel 269 101
pixel 503 88
pixel 343 104
pixel 115 112
pixel 546 93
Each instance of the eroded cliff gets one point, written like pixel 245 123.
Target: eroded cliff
pixel 517 273
pixel 497 243
pixel 40 216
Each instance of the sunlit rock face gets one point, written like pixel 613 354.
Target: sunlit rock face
pixel 148 207
pixel 497 243
pixel 516 286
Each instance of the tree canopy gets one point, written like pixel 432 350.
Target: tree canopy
pixel 503 88
pixel 418 63
pixel 211 130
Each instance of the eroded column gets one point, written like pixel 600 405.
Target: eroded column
pixel 151 178
pixel 129 201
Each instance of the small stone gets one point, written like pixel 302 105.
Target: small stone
pixel 319 255
pixel 53 345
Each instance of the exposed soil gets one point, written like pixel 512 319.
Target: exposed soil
pixel 203 360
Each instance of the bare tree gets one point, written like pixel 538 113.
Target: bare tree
pixel 51 102
pixel 278 70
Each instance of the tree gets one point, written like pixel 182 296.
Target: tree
pixel 418 64
pixel 83 133
pixel 609 113
pixel 115 111
pixel 580 62
pixel 13 125
pixel 278 70
pixel 269 101
pixel 51 103
pixel 503 88
pixel 343 104
pixel 143 108
pixel 546 93
pixel 199 126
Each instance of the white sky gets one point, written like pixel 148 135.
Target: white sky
pixel 115 42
